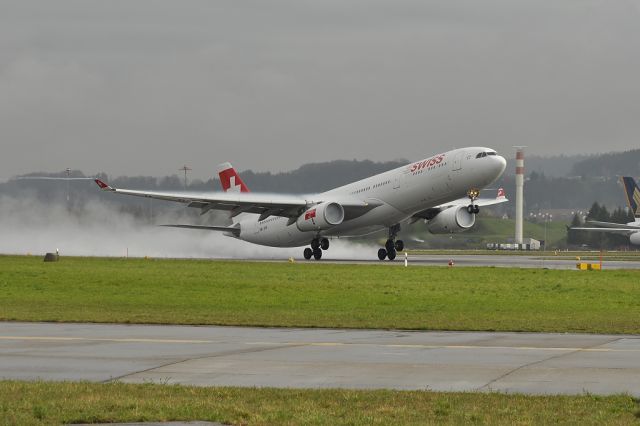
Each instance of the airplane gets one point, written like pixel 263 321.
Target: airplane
pixel 442 190
pixel 632 229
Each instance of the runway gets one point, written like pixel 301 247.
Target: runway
pixel 476 260
pixel 322 358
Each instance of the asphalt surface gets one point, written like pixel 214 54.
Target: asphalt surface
pixel 322 358
pixel 475 260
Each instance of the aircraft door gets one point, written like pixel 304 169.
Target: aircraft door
pixel 398 180
pixel 456 166
pixel 457 161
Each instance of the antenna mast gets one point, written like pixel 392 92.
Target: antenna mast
pixel 185 169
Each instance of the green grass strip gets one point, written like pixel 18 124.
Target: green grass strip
pixel 318 295
pixel 27 403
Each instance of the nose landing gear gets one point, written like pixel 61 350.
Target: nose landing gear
pixel 315 251
pixel 473 194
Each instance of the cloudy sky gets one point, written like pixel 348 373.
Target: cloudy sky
pixel 142 87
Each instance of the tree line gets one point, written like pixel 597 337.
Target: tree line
pixel 599 240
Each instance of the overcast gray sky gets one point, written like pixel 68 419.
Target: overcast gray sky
pixel 142 87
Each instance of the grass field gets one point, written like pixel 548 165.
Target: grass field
pixel 318 295
pixel 493 230
pixel 56 403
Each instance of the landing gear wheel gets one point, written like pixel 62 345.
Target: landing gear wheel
pixel 399 245
pixel 382 254
pixel 389 245
pixel 317 254
pixel 324 244
pixel 473 194
pixel 315 243
pixel 391 254
pixel 308 253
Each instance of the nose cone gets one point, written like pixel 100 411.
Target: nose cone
pixel 498 165
pixel 501 164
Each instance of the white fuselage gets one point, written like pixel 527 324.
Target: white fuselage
pixel 400 193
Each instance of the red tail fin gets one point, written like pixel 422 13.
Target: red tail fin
pixel 230 179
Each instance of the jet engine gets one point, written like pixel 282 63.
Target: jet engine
pixel 635 238
pixel 453 219
pixel 320 217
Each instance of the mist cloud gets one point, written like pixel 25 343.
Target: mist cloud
pixel 28 226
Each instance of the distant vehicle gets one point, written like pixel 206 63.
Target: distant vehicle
pixel 443 190
pixel 632 229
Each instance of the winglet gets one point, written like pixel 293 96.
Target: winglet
pixel 103 185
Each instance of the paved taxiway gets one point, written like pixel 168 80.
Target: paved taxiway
pixel 500 261
pixel 322 358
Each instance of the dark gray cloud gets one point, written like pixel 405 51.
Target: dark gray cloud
pixel 141 87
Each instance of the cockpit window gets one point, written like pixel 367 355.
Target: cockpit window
pixel 484 154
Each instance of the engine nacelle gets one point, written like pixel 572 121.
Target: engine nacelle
pixel 320 217
pixel 635 238
pixel 453 219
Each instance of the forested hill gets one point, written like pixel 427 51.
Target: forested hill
pixel 609 165
pixel 588 180
pixel 317 177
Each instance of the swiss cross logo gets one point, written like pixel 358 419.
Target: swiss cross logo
pixel 231 182
pixel 310 214
pixel 233 187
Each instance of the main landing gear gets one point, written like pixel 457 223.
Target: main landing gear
pixel 392 246
pixel 473 194
pixel 315 251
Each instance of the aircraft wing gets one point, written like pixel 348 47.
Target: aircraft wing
pixel 430 213
pixel 610 225
pixel 620 231
pixel 479 202
pixel 265 205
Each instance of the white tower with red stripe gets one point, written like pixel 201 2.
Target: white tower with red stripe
pixel 519 191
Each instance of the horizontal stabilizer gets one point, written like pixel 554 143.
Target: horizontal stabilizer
pixel 230 229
